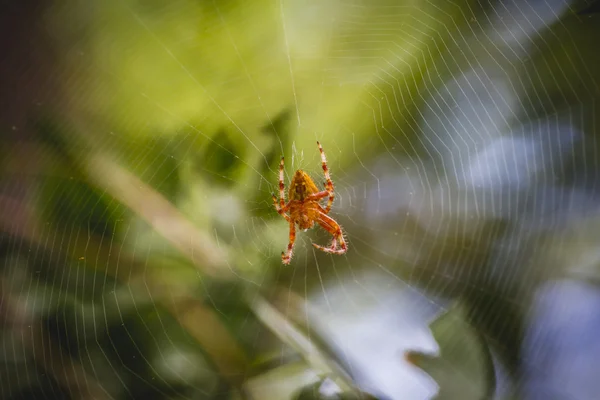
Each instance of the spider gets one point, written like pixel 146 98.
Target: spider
pixel 304 208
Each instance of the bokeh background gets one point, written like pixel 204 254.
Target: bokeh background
pixel 140 251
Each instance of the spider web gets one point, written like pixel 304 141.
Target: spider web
pixel 460 140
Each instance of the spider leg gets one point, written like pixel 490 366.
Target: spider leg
pixel 280 210
pixel 318 196
pixel 328 183
pixel 287 255
pixel 332 227
pixel 280 205
pixel 281 185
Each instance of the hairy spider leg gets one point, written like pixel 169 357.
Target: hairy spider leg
pixel 287 255
pixel 281 207
pixel 334 229
pixel 280 210
pixel 281 185
pixel 329 183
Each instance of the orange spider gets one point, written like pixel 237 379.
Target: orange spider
pixel 304 208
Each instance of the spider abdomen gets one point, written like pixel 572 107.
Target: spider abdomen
pixel 301 186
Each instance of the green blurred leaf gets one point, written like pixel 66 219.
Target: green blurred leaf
pixel 464 369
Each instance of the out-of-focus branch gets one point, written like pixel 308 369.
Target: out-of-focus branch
pixel 197 246
pixel 105 173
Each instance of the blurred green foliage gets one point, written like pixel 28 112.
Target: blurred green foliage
pixel 199 100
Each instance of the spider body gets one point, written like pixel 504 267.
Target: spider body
pixel 301 186
pixel 304 208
